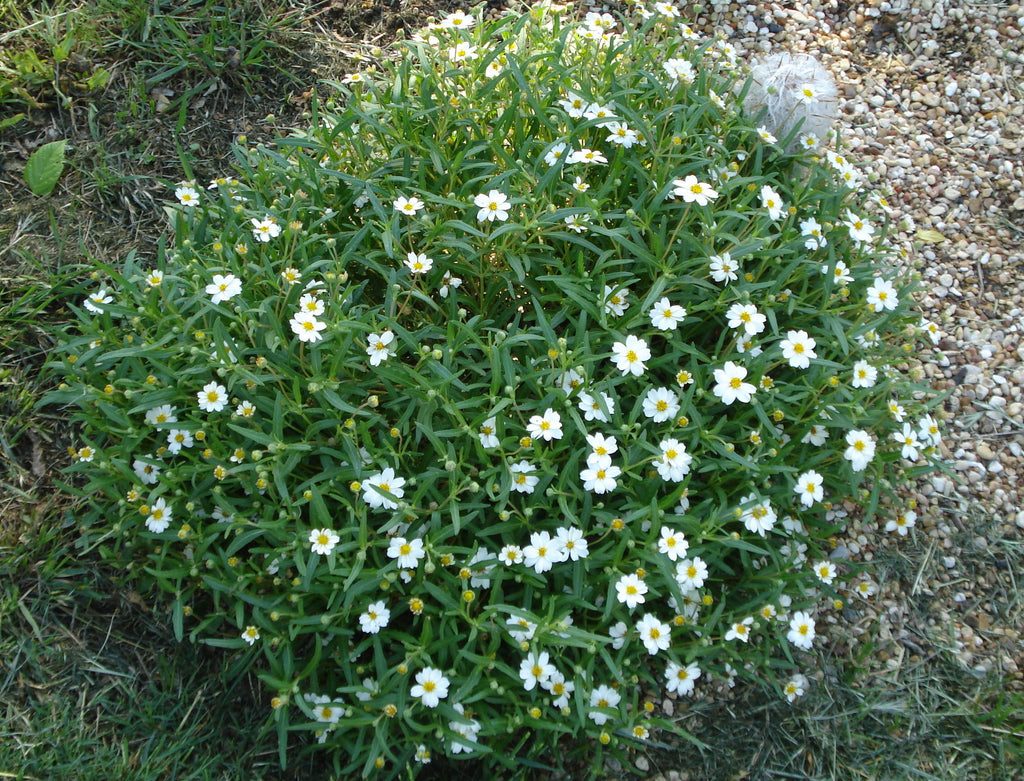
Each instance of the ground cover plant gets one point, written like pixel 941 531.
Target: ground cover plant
pixel 526 382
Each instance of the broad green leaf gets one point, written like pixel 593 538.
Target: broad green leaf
pixel 44 167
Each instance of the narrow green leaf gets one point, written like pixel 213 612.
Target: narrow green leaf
pixel 11 121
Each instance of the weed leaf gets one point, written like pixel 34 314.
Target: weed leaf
pixel 44 167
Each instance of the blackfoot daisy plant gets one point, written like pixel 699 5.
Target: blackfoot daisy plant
pixel 523 387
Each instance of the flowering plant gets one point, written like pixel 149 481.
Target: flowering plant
pixel 527 383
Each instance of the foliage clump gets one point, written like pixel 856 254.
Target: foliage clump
pixel 524 385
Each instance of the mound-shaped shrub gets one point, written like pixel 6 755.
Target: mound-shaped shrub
pixel 522 387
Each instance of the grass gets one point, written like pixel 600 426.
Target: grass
pixel 921 722
pixel 91 683
pixel 93 688
pixel 58 52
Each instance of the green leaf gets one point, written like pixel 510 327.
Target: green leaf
pixel 44 167
pixel 97 79
pixel 11 121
